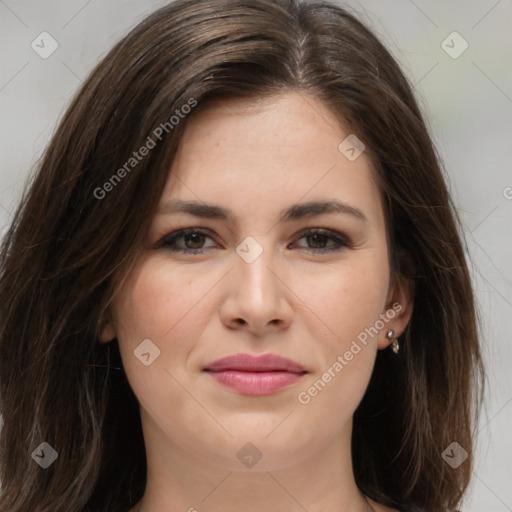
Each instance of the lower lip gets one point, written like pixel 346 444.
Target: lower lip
pixel 256 383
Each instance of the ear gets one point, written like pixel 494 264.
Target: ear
pixel 108 332
pixel 398 309
pixel 108 328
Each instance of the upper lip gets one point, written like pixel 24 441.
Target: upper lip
pixel 260 363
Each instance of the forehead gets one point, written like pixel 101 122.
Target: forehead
pixel 260 154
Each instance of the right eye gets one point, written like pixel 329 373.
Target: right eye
pixel 189 241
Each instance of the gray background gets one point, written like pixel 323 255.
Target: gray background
pixel 467 100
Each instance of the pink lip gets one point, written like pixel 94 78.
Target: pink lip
pixel 255 375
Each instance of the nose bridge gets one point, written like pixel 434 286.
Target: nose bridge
pixel 258 299
pixel 256 280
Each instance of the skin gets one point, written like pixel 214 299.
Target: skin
pixel 257 159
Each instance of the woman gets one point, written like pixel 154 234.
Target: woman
pixel 237 281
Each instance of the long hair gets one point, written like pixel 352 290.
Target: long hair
pixel 83 217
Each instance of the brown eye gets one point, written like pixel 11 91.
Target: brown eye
pixel 194 240
pixel 318 240
pixel 186 241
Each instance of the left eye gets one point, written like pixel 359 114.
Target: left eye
pixel 192 241
pixel 319 239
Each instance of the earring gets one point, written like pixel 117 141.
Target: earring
pixel 395 346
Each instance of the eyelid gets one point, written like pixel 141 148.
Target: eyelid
pixel 341 240
pixel 333 234
pixel 181 231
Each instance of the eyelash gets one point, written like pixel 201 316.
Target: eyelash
pixel 171 238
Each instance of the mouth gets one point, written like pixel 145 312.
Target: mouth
pixel 255 375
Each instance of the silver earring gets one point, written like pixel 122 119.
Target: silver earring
pixel 395 346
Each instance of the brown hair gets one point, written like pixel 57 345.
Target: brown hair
pixel 67 250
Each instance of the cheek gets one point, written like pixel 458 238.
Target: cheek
pixel 168 307
pixel 348 302
pixel 161 304
pixel 346 298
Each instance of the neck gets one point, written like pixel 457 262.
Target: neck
pixel 183 478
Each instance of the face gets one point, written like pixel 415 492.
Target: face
pixel 312 286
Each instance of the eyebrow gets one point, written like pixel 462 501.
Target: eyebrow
pixel 294 212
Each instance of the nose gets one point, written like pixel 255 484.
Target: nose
pixel 258 300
